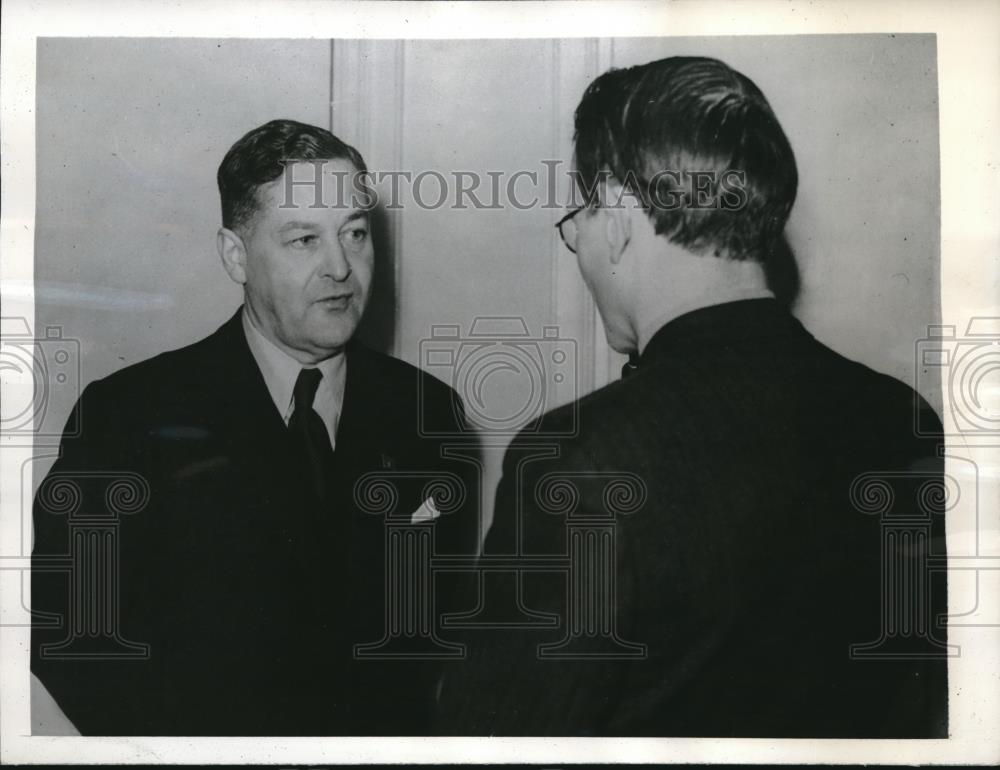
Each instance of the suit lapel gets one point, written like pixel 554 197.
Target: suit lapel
pixel 363 435
pixel 245 411
pixel 252 433
pixel 245 405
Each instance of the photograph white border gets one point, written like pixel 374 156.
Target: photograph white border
pixel 968 44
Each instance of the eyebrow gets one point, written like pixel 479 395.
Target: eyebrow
pixel 298 225
pixel 354 216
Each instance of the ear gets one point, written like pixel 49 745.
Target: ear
pixel 233 253
pixel 617 206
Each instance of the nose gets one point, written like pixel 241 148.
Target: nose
pixel 335 262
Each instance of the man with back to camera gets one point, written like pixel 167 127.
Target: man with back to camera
pixel 750 575
pixel 251 572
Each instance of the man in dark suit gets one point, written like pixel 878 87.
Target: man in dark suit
pixel 215 503
pixel 740 580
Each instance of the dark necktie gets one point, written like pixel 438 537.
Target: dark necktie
pixel 323 562
pixel 310 433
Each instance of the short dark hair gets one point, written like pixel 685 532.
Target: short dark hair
pixel 259 157
pixel 690 114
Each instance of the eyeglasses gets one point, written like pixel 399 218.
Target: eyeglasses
pixel 568 230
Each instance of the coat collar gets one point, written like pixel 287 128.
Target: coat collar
pixel 245 405
pixel 244 401
pixel 730 324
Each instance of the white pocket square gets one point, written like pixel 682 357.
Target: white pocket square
pixel 426 512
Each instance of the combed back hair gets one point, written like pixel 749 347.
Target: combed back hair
pixel 684 115
pixel 259 157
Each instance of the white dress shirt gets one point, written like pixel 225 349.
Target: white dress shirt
pixel 281 371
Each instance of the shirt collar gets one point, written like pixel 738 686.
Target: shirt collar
pixel 280 371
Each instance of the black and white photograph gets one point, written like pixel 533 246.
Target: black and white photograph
pixel 557 375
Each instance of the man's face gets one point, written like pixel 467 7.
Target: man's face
pixel 309 260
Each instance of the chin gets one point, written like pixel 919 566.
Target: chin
pixel 334 329
pixel 328 344
pixel 336 342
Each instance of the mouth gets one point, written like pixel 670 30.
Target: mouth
pixel 335 301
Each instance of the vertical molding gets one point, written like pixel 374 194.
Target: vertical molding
pixel 367 103
pixel 368 109
pixel 572 62
pixel 396 222
pixel 576 64
pixel 607 363
pixel 561 288
pixel 332 92
pixel 345 72
pixel 591 319
pixel 595 63
pixel 555 116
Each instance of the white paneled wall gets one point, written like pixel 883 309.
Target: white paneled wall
pixel 860 111
pixel 130 133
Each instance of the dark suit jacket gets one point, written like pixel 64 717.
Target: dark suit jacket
pixel 751 568
pixel 249 594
